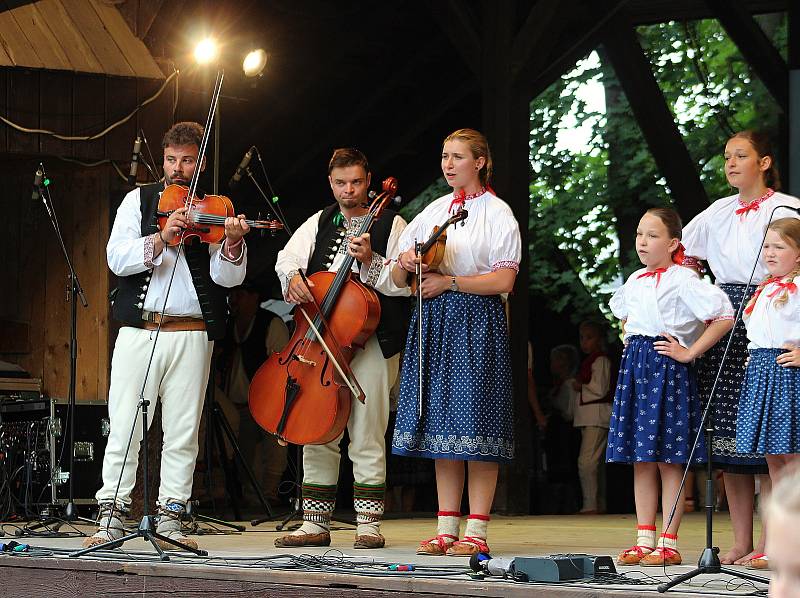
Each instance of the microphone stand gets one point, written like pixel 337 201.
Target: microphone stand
pixel 709 559
pixel 76 292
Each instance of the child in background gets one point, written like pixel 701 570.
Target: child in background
pixel 656 414
pixel 591 414
pixel 769 407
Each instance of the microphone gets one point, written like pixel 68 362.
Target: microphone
pixel 37 184
pixel 237 176
pixel 792 208
pixel 137 146
pixel 482 562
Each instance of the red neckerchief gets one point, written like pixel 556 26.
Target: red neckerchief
pixel 460 198
pixel 791 287
pixel 753 205
pixel 656 273
pixel 585 372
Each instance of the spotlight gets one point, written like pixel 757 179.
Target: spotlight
pixel 206 51
pixel 254 63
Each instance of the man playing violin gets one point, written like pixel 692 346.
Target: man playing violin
pixel 322 243
pixel 193 317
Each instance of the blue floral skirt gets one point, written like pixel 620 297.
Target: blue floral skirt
pixel 467 408
pixel 769 410
pixel 656 415
pixel 725 406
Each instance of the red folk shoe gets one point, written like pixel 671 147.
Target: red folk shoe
pixel 468 546
pixel 437 546
pixel 633 555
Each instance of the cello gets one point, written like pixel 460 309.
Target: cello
pixel 303 394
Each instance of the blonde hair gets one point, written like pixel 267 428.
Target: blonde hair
pixel 479 148
pixel 789 230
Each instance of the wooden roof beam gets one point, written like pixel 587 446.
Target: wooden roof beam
pixel 459 25
pixel 756 47
pixel 654 117
pixel 541 28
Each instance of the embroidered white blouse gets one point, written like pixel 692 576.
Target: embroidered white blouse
pixel 680 304
pixel 377 274
pixel 128 252
pixel 730 242
pixel 770 326
pixel 489 239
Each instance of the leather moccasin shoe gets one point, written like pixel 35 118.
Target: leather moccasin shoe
pixel 291 541
pixel 369 541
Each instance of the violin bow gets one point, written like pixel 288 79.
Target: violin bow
pixel 418 248
pixel 192 190
pixel 339 362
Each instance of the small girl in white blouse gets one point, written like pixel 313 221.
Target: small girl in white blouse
pixel 768 422
pixel 670 316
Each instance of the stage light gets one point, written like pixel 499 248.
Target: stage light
pixel 254 63
pixel 206 51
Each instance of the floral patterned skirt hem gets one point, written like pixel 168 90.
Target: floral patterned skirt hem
pixel 467 409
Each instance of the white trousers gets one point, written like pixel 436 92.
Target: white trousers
pixel 178 376
pixel 593 446
pixel 366 426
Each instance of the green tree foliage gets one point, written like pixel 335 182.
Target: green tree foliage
pixel 584 205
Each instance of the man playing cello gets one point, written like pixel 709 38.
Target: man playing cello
pixel 193 317
pixel 322 243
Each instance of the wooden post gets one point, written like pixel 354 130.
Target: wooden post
pixel 794 99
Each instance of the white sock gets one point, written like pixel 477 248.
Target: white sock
pixel 477 527
pixel 369 529
pixel 447 524
pixel 646 536
pixel 310 527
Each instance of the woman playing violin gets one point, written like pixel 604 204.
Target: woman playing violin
pixel 193 317
pixel 466 408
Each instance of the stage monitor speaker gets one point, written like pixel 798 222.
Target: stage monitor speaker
pixel 562 567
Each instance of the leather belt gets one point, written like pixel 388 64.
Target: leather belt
pixel 151 320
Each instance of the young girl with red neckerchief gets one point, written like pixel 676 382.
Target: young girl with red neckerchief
pixel 769 407
pixel 727 235
pixel 670 317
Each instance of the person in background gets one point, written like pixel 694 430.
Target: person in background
pixel 253 334
pixel 782 515
pixel 592 412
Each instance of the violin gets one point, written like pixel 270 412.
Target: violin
pixel 432 251
pixel 303 394
pixel 206 215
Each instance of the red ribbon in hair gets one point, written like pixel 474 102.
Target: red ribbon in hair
pixel 679 254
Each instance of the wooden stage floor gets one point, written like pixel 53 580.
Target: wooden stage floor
pixel 247 562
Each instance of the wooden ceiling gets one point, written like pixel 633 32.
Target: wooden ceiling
pixel 87 36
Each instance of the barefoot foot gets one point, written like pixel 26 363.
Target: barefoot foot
pixel 734 554
pixel 748 557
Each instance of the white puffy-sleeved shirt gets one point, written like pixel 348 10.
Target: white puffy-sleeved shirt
pixel 489 239
pixel 128 253
pixel 377 274
pixel 730 242
pixel 680 303
pixel 770 325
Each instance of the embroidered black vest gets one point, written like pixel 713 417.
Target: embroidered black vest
pixel 393 324
pixel 128 299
